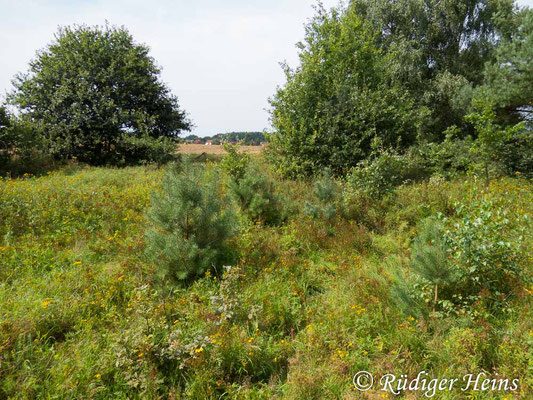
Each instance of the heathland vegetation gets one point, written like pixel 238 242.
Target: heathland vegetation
pixel 385 227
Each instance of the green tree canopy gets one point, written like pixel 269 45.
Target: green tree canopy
pixel 399 70
pixel 92 88
pixel 338 99
pixel 440 48
pixel 5 139
pixel 509 78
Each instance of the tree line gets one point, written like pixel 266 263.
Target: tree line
pixel 245 138
pixel 448 85
pixel 426 77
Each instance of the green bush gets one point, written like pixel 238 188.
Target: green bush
pixel 146 149
pixel 429 261
pixel 257 197
pixel 448 158
pixel 234 163
pixel 485 246
pixel 376 176
pixel 490 134
pixel 325 192
pixel 6 141
pixel 464 265
pixel 21 147
pixel 191 224
pixel 516 154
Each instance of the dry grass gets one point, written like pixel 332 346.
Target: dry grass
pixel 214 149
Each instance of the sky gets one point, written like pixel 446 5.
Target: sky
pixel 219 57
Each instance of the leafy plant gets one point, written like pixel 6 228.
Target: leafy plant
pixel 338 99
pixel 92 87
pixel 146 149
pixel 490 136
pixel 235 163
pixel 509 77
pixel 474 258
pixel 378 175
pixel 191 224
pixel 485 246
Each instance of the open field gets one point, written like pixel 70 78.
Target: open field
pixel 305 306
pixel 214 149
pixel 380 247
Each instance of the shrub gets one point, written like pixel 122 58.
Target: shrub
pixel 490 135
pixel 464 263
pixel 516 154
pixel 146 149
pixel 377 175
pixel 6 141
pixel 234 163
pixel 257 197
pixel 448 158
pixel 21 147
pixel 191 224
pixel 326 194
pixel 485 246
pixel 429 260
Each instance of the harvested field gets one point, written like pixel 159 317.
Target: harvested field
pixel 214 149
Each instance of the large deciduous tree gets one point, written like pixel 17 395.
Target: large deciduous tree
pixel 400 70
pixel 509 78
pixel 338 99
pixel 94 89
pixel 440 48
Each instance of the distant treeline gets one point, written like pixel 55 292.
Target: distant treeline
pixel 247 138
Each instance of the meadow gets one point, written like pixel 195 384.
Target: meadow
pixel 379 247
pixel 305 305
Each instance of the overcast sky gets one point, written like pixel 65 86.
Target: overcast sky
pixel 220 57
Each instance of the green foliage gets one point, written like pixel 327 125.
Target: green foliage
pixel 429 254
pixel 6 140
pixel 429 260
pixel 338 99
pixel 450 158
pixel 440 49
pixel 485 243
pixel 92 87
pixel 21 147
pixel 4 119
pixel 191 224
pixel 245 138
pixel 490 136
pixel 509 78
pixel 81 316
pixel 516 154
pixel 235 163
pixel 257 197
pixel 376 176
pixel 326 193
pixel 466 265
pixel 366 72
pixel 134 149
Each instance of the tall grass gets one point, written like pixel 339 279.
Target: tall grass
pixel 296 317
